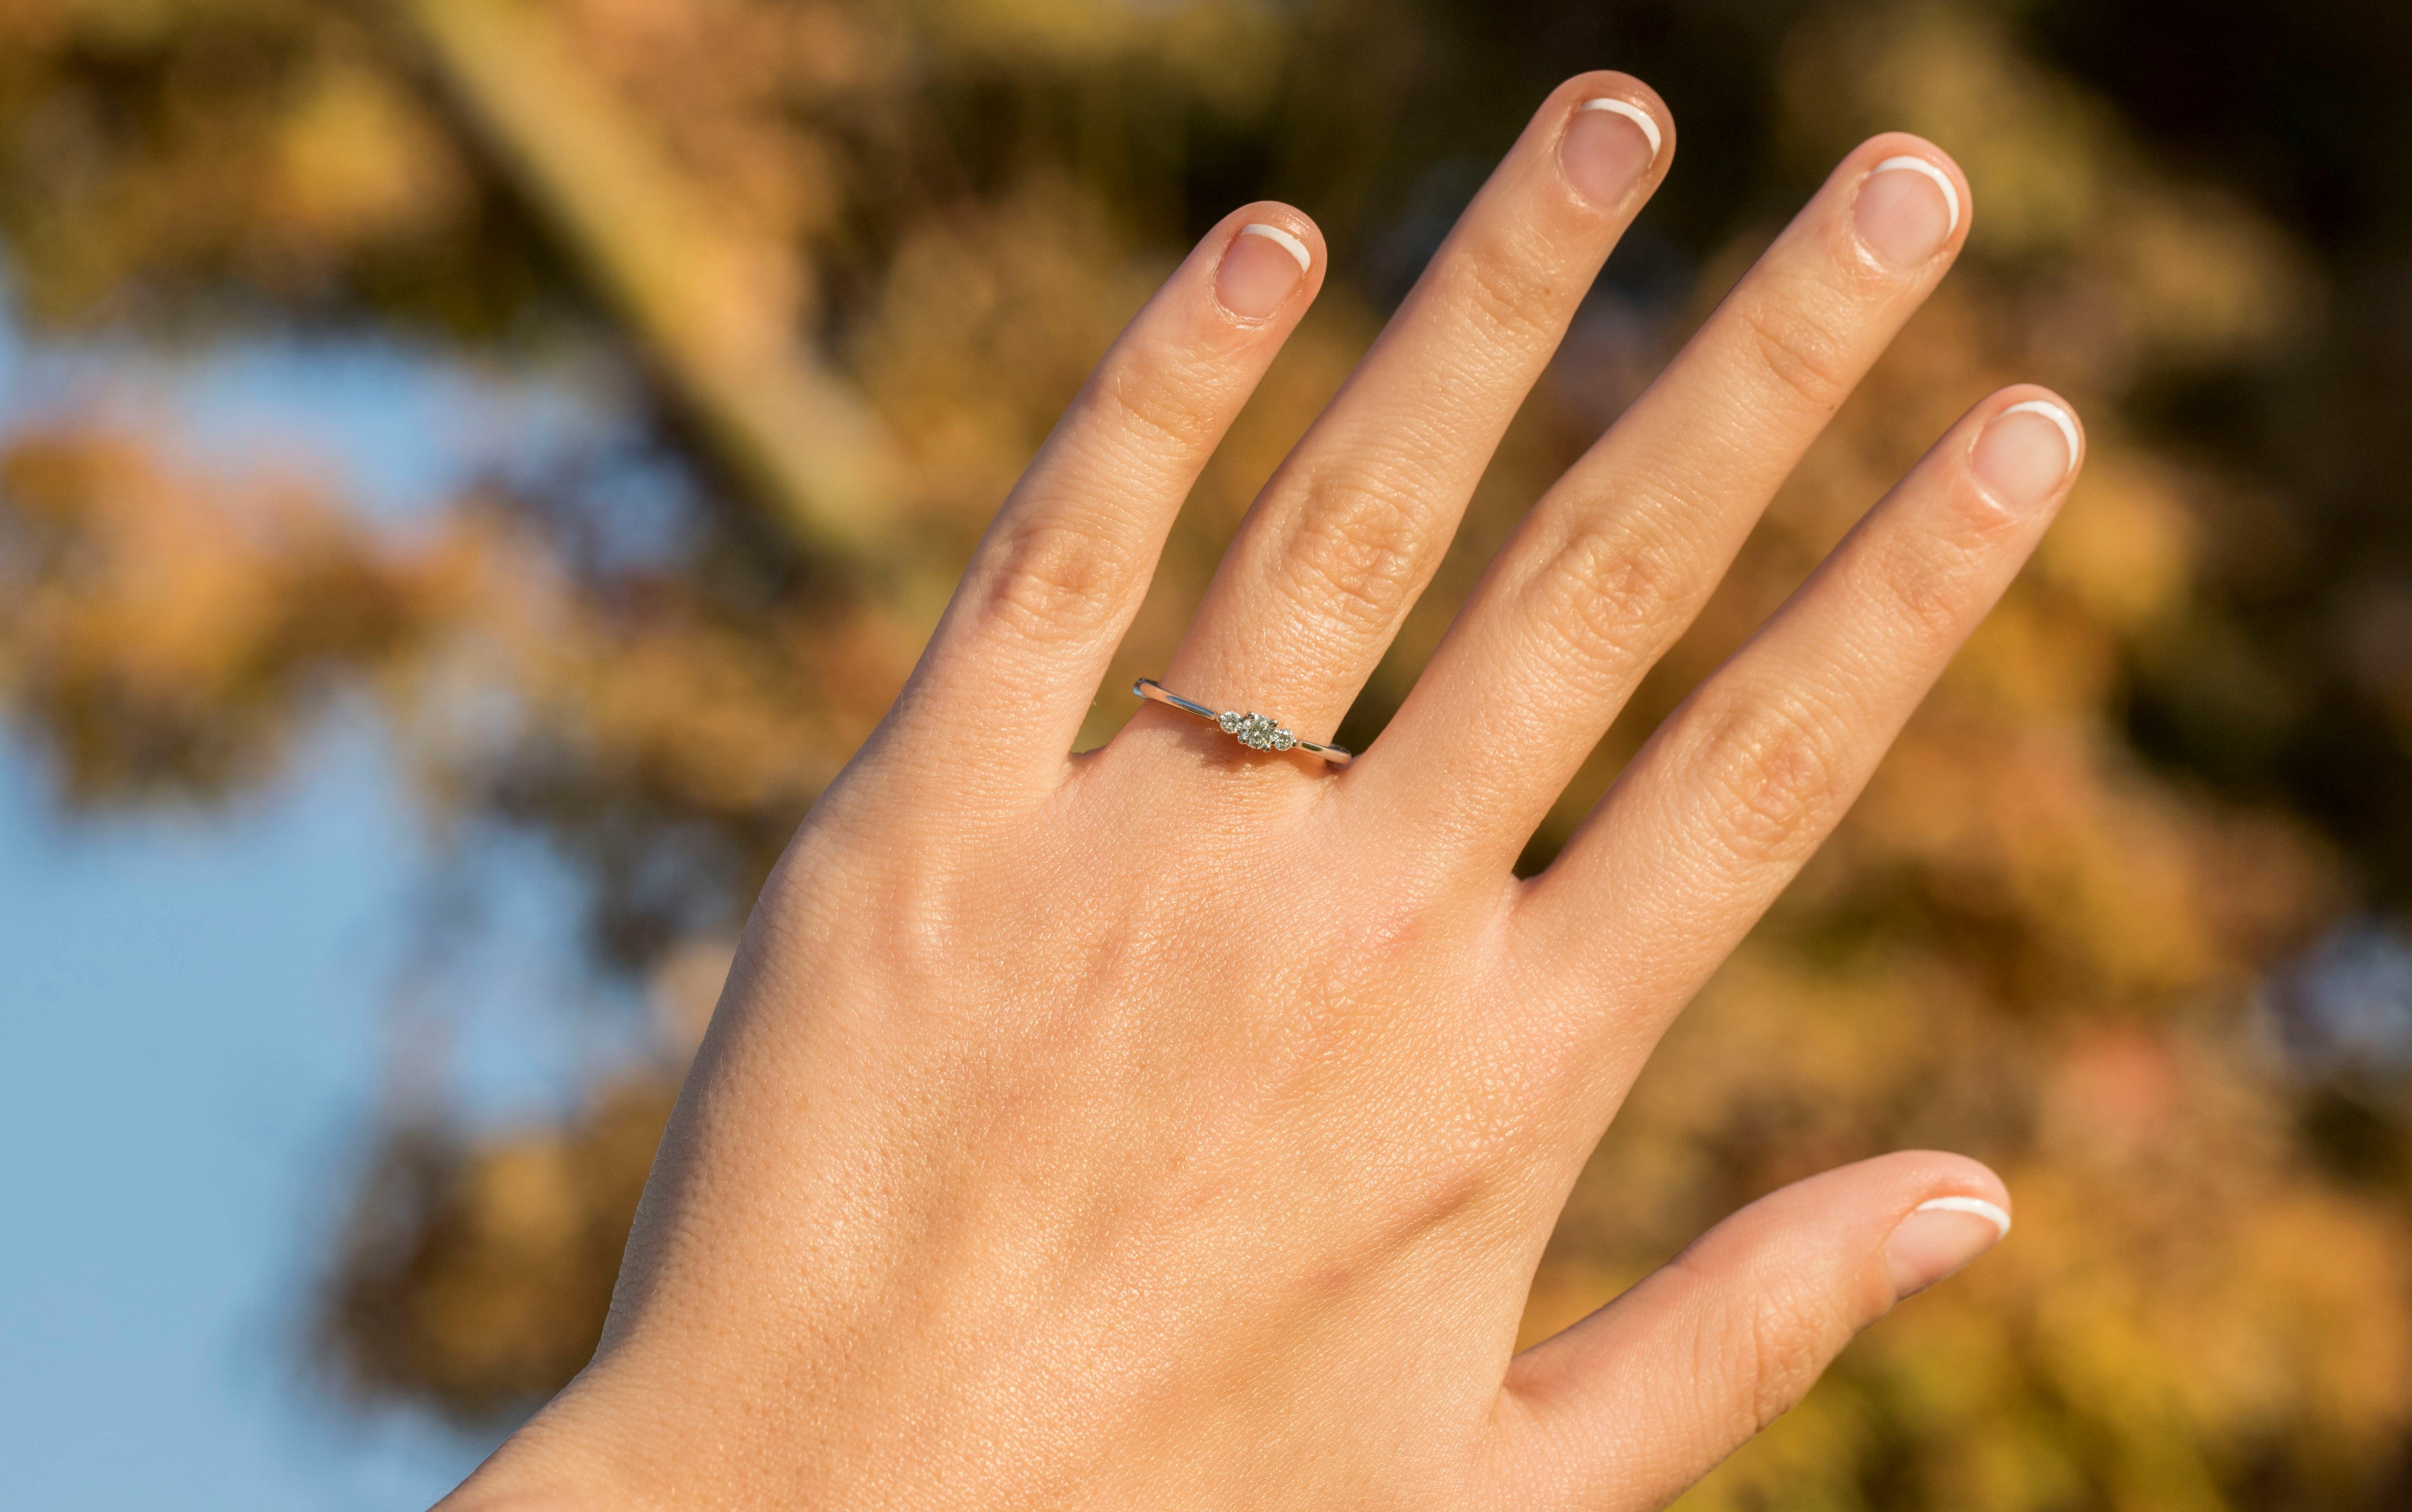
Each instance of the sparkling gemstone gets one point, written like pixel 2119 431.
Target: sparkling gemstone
pixel 1283 739
pixel 1232 722
pixel 1256 732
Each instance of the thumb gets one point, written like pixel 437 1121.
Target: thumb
pixel 1637 1401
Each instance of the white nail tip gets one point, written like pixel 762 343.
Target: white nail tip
pixel 2053 413
pixel 1942 182
pixel 1632 113
pixel 1978 1206
pixel 1283 239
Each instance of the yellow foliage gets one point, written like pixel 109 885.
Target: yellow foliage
pixel 2028 942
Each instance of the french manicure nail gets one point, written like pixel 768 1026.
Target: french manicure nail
pixel 1608 145
pixel 1940 1236
pixel 2025 453
pixel 1907 209
pixel 1259 268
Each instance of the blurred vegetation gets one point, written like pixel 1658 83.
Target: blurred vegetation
pixel 2118 915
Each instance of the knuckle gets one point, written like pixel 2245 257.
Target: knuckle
pixel 1357 549
pixel 1511 289
pixel 1782 1353
pixel 1776 761
pixel 1927 584
pixel 1607 601
pixel 1055 581
pixel 1800 352
pixel 1159 396
pixel 1755 1355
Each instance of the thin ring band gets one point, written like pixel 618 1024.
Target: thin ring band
pixel 1255 731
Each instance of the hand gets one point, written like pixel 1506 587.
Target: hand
pixel 1177 1125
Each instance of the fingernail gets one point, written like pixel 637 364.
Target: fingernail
pixel 1940 1236
pixel 1609 146
pixel 2025 453
pixel 1260 267
pixel 1907 209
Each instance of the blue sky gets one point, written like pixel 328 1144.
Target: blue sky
pixel 194 1026
pixel 194 1006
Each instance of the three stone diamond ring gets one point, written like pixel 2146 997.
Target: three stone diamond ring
pixel 1255 731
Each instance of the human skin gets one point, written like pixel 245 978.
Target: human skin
pixel 1175 1125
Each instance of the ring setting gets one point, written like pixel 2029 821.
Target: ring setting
pixel 1258 732
pixel 1255 731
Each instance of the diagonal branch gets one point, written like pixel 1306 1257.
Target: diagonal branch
pixel 714 312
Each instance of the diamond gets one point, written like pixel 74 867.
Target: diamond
pixel 1230 722
pixel 1256 732
pixel 1283 739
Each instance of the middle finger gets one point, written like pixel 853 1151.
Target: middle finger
pixel 1614 562
pixel 1348 532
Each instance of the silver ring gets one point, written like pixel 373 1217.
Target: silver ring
pixel 1255 731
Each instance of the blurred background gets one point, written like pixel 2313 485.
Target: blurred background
pixel 471 470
